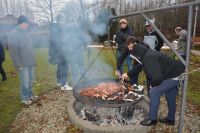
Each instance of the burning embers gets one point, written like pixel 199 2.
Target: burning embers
pixel 114 92
pixel 129 115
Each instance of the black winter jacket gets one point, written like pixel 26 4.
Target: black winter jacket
pixel 2 53
pixel 121 37
pixel 156 65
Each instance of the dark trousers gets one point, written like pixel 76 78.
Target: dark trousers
pixel 134 79
pixel 2 71
pixel 136 69
pixel 168 88
pixel 62 72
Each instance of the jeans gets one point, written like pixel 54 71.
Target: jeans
pixel 134 79
pixel 2 71
pixel 61 74
pixel 169 88
pixel 26 77
pixel 128 61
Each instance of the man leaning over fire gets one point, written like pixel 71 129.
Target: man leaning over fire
pixel 163 72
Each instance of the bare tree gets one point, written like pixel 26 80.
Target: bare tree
pixel 46 10
pixel 14 7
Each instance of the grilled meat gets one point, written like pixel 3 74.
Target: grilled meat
pixel 112 92
pixel 101 90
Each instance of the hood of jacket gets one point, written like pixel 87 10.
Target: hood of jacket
pixel 139 51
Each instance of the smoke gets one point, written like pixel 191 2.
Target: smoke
pixel 100 25
pixel 76 36
pixel 71 37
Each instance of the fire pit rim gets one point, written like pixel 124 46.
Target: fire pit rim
pixel 91 128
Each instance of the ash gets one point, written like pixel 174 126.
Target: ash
pixel 122 116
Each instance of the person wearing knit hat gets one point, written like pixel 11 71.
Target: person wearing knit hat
pixel 121 36
pixel 22 19
pixel 21 49
pixel 123 21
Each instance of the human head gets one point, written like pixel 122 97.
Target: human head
pixel 131 41
pixel 60 19
pixel 149 26
pixel 178 30
pixel 23 22
pixel 123 23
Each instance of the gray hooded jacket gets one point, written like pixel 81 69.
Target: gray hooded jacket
pixel 182 42
pixel 21 48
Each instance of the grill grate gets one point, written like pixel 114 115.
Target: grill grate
pixel 98 102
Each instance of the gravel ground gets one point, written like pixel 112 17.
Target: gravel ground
pixel 191 119
pixel 48 115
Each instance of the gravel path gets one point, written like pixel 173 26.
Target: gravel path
pixel 191 119
pixel 49 115
pixel 196 52
pixel 46 116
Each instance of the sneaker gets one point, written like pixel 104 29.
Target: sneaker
pixel 58 84
pixel 166 121
pixel 34 98
pixel 27 102
pixel 148 122
pixel 66 88
pixel 4 79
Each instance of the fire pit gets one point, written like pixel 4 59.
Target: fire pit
pixel 100 102
pixel 106 116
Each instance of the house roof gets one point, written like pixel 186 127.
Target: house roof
pixel 8 19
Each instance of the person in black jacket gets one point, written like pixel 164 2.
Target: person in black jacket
pixel 2 59
pixel 136 67
pixel 151 38
pixel 121 36
pixel 57 52
pixel 162 72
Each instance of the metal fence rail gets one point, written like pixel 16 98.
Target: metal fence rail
pixel 190 6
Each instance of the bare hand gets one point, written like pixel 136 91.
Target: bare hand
pixel 125 76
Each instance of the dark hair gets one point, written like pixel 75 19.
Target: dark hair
pixel 178 29
pixel 131 39
pixel 22 19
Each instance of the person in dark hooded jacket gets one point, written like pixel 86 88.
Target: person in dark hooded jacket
pixel 121 36
pixel 162 72
pixel 57 52
pixel 2 59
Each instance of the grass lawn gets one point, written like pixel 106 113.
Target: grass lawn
pixel 193 91
pixel 45 80
pixel 10 103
